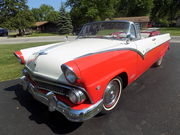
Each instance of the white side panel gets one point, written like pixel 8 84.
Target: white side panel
pixel 147 44
pixel 160 39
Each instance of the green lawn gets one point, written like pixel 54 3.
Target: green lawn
pixel 107 32
pixel 35 34
pixel 174 31
pixel 9 66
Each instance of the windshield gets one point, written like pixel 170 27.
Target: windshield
pixel 117 30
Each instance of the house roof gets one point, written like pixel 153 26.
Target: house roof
pixel 37 24
pixel 134 19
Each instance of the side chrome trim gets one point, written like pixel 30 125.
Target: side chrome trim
pixel 119 49
pixel 125 49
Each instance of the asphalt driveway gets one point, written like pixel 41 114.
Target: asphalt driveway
pixel 150 106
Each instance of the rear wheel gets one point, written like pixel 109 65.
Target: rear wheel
pixel 112 95
pixel 159 62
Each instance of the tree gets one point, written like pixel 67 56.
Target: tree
pixel 23 19
pixel 37 14
pixel 164 12
pixel 52 16
pixel 45 13
pixel 15 15
pixel 83 11
pixel 64 22
pixel 134 7
pixel 9 8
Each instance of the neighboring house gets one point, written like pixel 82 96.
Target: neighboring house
pixel 46 26
pixel 142 20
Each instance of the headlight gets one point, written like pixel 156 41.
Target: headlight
pixel 69 74
pixel 77 96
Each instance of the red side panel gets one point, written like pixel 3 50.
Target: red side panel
pixel 151 57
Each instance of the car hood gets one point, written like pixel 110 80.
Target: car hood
pixel 47 62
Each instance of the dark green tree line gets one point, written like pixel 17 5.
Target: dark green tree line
pixel 45 13
pixel 83 11
pixel 160 11
pixel 165 12
pixel 133 7
pixel 15 14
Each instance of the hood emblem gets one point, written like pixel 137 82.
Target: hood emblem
pixel 42 53
pixel 33 60
pixel 38 54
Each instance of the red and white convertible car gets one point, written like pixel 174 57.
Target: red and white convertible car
pixel 86 76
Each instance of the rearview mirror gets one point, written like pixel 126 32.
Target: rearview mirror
pixel 130 36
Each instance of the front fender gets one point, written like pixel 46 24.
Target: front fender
pixel 97 70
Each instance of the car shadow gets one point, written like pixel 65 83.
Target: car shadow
pixel 40 114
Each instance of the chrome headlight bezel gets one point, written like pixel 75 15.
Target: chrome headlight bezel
pixel 69 74
pixel 77 96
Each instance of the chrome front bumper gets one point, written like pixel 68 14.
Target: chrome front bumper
pixel 53 103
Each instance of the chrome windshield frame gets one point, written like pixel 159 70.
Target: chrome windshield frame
pixel 114 21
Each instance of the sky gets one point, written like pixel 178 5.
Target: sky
pixel 37 3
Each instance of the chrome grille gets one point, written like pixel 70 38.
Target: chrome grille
pixel 49 87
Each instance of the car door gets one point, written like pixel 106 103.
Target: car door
pixel 148 55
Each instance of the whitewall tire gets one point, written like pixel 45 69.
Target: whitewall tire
pixel 112 94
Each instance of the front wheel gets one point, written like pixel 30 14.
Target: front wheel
pixel 112 95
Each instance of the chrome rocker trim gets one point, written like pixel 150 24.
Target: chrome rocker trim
pixel 53 103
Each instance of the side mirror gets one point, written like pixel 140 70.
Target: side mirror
pixel 130 36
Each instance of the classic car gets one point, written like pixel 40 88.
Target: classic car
pixel 84 77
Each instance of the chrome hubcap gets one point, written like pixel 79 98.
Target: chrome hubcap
pixel 112 94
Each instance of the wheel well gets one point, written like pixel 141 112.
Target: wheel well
pixel 124 78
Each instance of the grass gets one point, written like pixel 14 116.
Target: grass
pixel 174 31
pixel 9 65
pixel 107 31
pixel 36 34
